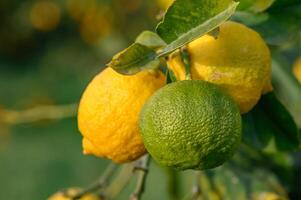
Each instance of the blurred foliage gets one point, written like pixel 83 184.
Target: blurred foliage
pixel 50 49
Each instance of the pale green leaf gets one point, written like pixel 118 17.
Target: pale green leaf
pixel 150 39
pixel 134 59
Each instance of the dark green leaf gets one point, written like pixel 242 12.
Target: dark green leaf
pixel 186 20
pixel 280 28
pixel 170 77
pixel 269 127
pixel 287 86
pixel 150 39
pixel 285 3
pixel 134 59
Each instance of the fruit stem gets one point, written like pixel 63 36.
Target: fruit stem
pixel 196 189
pixel 173 183
pixel 119 183
pixel 142 169
pixel 102 182
pixel 186 60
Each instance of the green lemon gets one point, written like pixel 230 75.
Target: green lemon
pixel 191 125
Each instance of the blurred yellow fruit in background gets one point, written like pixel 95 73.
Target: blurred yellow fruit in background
pixel 78 9
pixel 45 15
pixel 297 69
pixel 72 192
pixel 95 25
pixel 109 111
pixel 268 196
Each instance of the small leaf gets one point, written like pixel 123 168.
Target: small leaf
pixel 187 20
pixel 170 77
pixel 269 126
pixel 134 59
pixel 150 39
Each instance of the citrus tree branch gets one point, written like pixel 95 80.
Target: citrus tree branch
pixel 142 169
pixel 196 189
pixel 119 183
pixel 102 182
pixel 38 113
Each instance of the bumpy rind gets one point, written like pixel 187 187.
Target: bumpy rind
pixel 108 113
pixel 191 125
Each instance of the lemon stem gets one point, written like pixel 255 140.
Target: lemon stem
pixel 102 182
pixel 142 170
pixel 119 183
pixel 173 183
pixel 186 60
pixel 196 189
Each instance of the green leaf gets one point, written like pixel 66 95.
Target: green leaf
pixel 280 28
pixel 150 39
pixel 255 5
pixel 187 20
pixel 285 3
pixel 287 86
pixel 170 77
pixel 134 59
pixel 269 127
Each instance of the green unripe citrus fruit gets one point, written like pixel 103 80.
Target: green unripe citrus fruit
pixel 191 125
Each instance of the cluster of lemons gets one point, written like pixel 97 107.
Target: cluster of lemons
pixel 189 124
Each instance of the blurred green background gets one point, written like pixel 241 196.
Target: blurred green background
pixel 50 50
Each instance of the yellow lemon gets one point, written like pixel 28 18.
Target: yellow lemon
pixel 164 4
pixel 297 69
pixel 108 113
pixel 238 60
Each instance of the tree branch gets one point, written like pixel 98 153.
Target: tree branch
pixel 142 169
pixel 102 182
pixel 196 189
pixel 38 113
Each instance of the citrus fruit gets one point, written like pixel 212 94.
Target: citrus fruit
pixel 267 196
pixel 191 125
pixel 45 15
pixel 238 60
pixel 109 110
pixel 72 192
pixel 297 69
pixel 164 4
